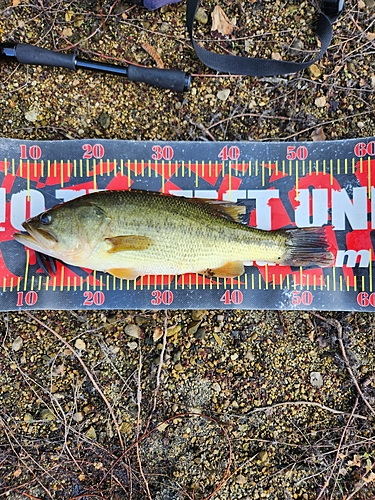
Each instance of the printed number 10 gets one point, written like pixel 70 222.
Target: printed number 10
pixel 29 298
pixel 30 153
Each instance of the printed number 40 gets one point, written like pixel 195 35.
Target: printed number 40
pixel 229 153
pixel 232 297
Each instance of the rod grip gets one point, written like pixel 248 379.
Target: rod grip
pixel 171 79
pixel 29 54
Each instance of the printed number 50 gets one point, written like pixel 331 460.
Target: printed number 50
pixel 296 153
pixel 305 298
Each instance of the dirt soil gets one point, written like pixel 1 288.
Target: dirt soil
pixel 175 405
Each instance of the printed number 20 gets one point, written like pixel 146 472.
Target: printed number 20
pixel 93 298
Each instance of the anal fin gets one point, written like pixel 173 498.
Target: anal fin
pixel 228 270
pixel 124 273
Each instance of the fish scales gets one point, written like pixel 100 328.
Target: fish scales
pixel 186 236
pixel 133 233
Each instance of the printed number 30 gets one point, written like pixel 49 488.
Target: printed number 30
pixel 165 298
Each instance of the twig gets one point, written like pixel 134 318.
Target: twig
pixel 309 403
pixel 12 439
pixel 325 486
pixel 160 367
pixel 226 475
pixel 139 400
pixel 337 325
pixel 87 371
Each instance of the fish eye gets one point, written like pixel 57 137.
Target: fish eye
pixel 45 218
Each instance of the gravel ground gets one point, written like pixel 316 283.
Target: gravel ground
pixel 187 404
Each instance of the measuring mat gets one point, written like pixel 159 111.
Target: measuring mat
pixel 282 185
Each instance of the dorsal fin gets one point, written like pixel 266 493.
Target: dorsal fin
pixel 226 209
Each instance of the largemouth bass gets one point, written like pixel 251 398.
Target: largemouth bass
pixel 135 233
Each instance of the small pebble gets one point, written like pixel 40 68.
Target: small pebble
pixel 262 456
pixel 173 330
pixel 321 101
pixel 241 480
pixel 316 379
pixel 216 387
pixel 80 344
pixel 78 416
pixel 201 333
pixel 218 339
pixel 17 343
pixel 223 95
pixel 47 415
pixel 201 16
pixel 91 433
pixel 199 314
pixel 158 333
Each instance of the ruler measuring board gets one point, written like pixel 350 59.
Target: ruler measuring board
pixel 281 184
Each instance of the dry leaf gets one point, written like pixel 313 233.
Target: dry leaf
pixel 220 22
pixel 16 3
pixel 154 54
pixel 318 135
pixel 68 15
pixel 368 479
pixel 17 473
pixel 67 32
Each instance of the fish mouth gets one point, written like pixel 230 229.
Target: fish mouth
pixel 36 238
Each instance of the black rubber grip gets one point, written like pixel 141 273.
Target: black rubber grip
pixel 172 79
pixel 28 54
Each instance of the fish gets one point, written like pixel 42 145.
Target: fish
pixel 134 233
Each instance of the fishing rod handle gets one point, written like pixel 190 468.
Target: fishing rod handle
pixel 171 79
pixel 29 54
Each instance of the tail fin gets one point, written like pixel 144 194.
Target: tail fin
pixel 307 247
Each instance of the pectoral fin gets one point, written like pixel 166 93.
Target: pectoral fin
pixel 229 270
pixel 128 242
pixel 124 274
